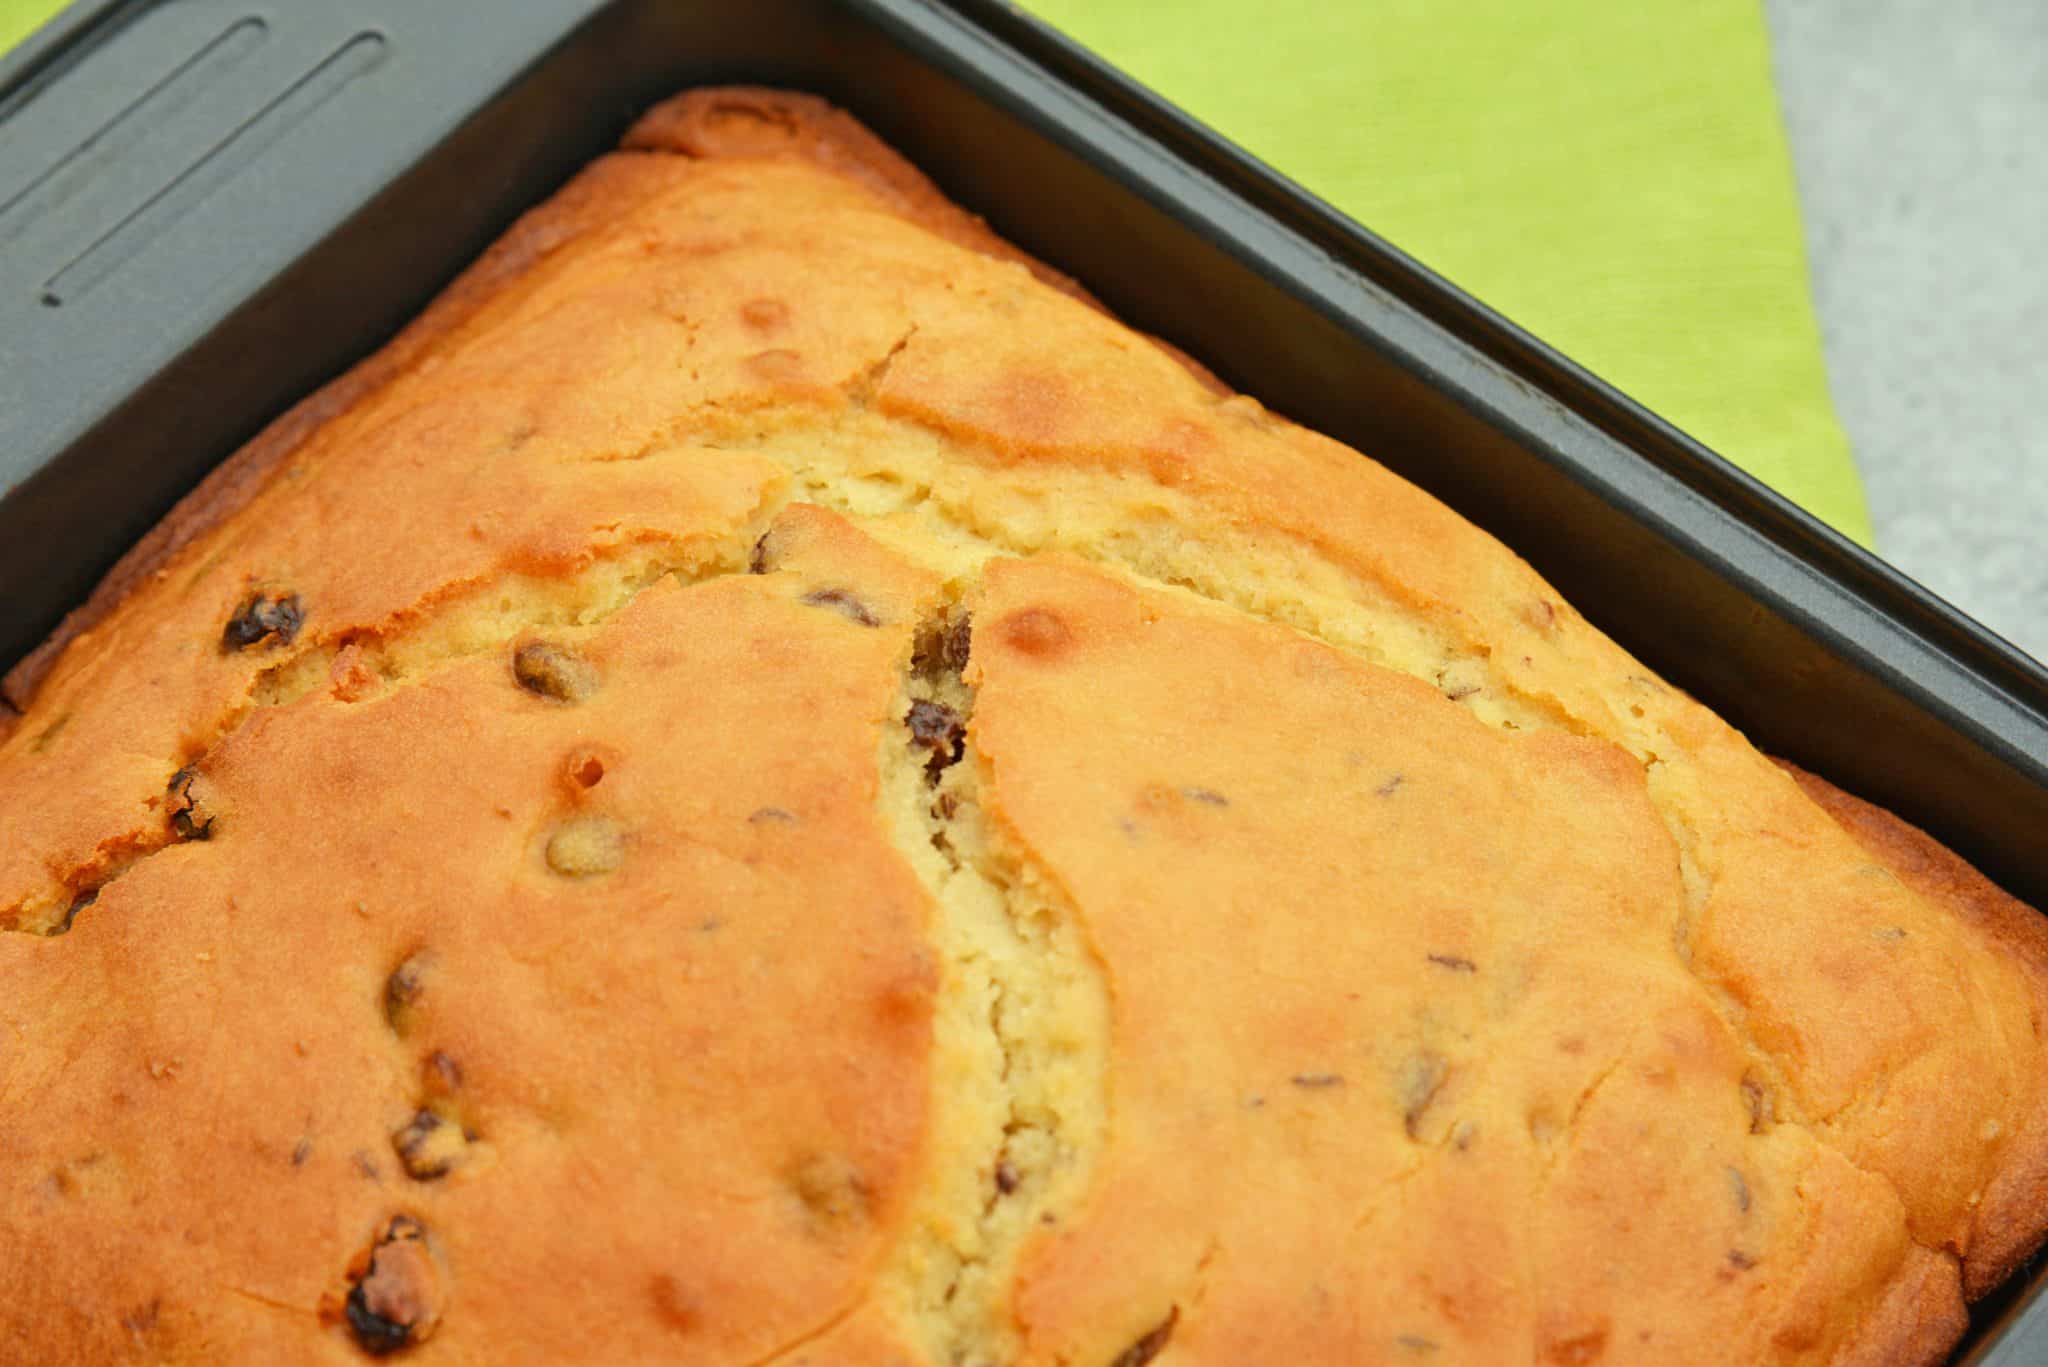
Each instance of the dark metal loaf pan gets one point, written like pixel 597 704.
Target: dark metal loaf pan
pixel 209 207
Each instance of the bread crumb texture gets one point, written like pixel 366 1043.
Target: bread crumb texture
pixel 781 789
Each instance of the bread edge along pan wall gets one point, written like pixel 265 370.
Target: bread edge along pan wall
pixel 208 208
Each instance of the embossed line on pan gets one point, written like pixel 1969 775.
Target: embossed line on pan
pixel 146 112
pixel 241 147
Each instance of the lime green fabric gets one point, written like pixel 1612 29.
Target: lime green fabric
pixel 18 18
pixel 1609 173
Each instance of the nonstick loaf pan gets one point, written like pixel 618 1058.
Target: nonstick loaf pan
pixel 208 208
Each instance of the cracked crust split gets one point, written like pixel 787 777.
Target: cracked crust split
pixel 1018 1106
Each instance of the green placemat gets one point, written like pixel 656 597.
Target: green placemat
pixel 18 17
pixel 1611 174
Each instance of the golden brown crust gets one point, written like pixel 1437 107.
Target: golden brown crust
pixel 1522 1096
pixel 1931 868
pixel 2013 1215
pixel 231 484
pixel 1918 1322
pixel 755 122
pixel 741 122
pixel 458 1003
pixel 1417 838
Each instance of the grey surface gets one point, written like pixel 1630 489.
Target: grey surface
pixel 1919 133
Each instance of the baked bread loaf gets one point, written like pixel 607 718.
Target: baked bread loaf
pixel 768 784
